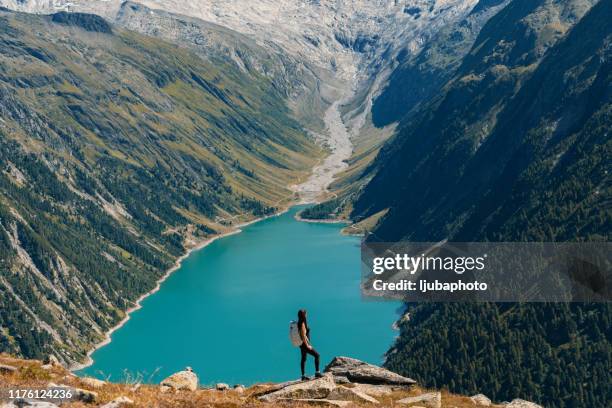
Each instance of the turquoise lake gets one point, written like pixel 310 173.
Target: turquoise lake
pixel 226 311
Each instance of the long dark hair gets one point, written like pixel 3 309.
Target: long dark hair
pixel 302 318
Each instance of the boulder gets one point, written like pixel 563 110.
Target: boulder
pixel 519 403
pixel 351 394
pixel 318 402
pixel 93 382
pixel 319 388
pixel 373 390
pixel 429 400
pixel 239 389
pixel 84 395
pixel 7 369
pixel 360 372
pixel 78 394
pixel 221 387
pixel 481 399
pixel 182 380
pixel 118 403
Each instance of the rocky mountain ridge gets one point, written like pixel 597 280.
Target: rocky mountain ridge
pixel 346 382
pixel 351 45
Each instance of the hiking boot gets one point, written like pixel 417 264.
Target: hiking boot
pixel 318 374
pixel 305 378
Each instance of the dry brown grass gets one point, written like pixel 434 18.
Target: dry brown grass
pixel 31 375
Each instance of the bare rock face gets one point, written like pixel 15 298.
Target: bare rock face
pixel 481 399
pixel 183 380
pixel 320 388
pixel 428 400
pixel 357 371
pixel 519 403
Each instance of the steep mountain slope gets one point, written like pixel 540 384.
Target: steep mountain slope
pixel 326 55
pixel 118 152
pixel 451 168
pixel 420 76
pixel 347 44
pixel 517 148
pixel 408 81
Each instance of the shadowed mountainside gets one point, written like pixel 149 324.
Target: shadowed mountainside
pixel 516 148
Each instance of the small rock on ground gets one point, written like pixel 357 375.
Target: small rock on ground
pixel 51 360
pixel 221 387
pixel 28 404
pixel 118 403
pixel 5 369
pixel 84 395
pixel 78 394
pixel 320 402
pixel 93 382
pixel 519 403
pixel 373 390
pixel 481 399
pixel 182 380
pixel 351 394
pixel 429 400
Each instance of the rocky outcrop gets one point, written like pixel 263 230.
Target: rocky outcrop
pixel 182 380
pixel 356 371
pixel 323 391
pixel 346 380
pixel 429 400
pixel 319 388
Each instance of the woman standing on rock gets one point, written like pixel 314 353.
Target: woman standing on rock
pixel 306 348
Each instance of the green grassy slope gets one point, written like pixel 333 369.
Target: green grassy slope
pixel 117 152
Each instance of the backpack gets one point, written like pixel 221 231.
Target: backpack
pixel 294 334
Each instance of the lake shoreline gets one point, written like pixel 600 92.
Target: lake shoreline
pixel 309 192
pixel 177 264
